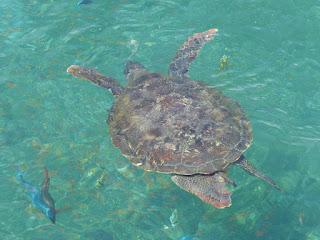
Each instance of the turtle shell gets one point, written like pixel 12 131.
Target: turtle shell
pixel 169 125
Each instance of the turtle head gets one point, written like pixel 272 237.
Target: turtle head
pixel 133 70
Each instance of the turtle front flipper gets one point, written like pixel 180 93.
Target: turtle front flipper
pixel 96 77
pixel 209 188
pixel 246 165
pixel 180 64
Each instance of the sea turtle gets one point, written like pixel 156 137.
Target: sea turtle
pixel 172 124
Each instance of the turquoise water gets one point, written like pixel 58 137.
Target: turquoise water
pixel 48 117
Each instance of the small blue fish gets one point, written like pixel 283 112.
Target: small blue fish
pixel 36 196
pixel 188 237
pixel 83 2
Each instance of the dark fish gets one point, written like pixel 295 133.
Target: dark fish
pixel 47 197
pixel 36 197
pixel 83 2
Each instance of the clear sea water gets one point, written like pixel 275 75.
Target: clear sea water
pixel 48 117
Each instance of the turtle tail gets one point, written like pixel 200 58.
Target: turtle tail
pixel 246 165
pixel 96 77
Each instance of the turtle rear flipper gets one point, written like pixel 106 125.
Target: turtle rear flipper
pixel 96 77
pixel 180 64
pixel 210 189
pixel 246 165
